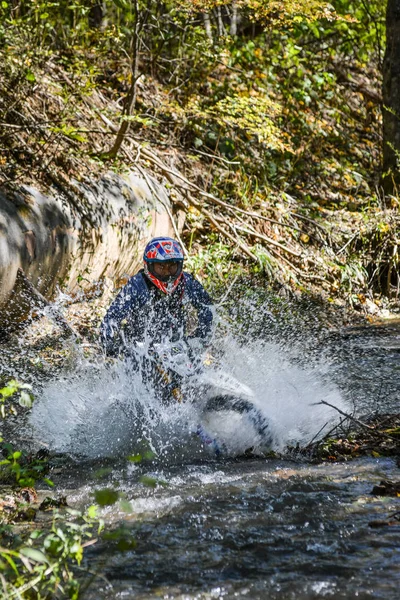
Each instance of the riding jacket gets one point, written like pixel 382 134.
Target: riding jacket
pixel 141 312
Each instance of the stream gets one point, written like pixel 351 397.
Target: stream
pixel 201 527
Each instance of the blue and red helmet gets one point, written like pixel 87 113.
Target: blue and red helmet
pixel 163 250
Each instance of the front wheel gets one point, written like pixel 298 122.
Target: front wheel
pixel 244 407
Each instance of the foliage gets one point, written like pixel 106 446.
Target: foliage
pixel 213 263
pixel 40 564
pixel 19 466
pixel 265 11
pixel 12 389
pixel 259 97
pixel 22 468
pixel 250 115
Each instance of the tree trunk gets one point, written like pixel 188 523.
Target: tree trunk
pixel 391 100
pixel 234 19
pixel 97 15
pixel 130 99
pixel 220 23
pixel 207 26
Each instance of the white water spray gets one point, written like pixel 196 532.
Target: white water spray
pixel 105 410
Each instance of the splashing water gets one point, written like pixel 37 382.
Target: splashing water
pixel 105 410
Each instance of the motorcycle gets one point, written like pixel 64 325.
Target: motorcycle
pixel 230 422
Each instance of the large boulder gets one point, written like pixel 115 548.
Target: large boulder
pixel 45 242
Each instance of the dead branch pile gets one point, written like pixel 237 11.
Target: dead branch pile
pixel 375 435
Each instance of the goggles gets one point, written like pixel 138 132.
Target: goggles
pixel 166 270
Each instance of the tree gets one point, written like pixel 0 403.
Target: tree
pixel 219 18
pixel 130 99
pixel 391 100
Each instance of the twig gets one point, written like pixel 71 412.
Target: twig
pixel 311 221
pixel 318 432
pixel 216 157
pixel 360 423
pixel 211 218
pixel 369 427
pixel 327 434
pixel 228 291
pixel 347 243
pixel 268 240
pixel 171 176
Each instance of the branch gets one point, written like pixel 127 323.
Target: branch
pixel 268 240
pixel 360 423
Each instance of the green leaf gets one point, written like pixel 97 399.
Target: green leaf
pixel 151 481
pixel 124 544
pixel 92 511
pixel 103 472
pixel 34 554
pixel 30 77
pixel 122 537
pixel 48 481
pixel 148 455
pixel 24 386
pixel 10 389
pixel 73 511
pixel 10 561
pixel 135 458
pixel 77 550
pixel 106 497
pixel 122 4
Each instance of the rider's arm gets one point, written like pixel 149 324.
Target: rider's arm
pixel 203 303
pixel 122 308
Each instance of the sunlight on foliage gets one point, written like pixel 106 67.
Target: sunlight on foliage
pixel 268 10
pixel 250 114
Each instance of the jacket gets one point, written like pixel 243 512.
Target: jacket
pixel 141 312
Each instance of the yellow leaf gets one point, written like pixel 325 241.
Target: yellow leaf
pixel 194 211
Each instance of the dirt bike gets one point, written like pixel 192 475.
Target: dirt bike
pixel 227 409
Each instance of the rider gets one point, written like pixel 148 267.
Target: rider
pixel 153 305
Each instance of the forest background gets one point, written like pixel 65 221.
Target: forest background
pixel 273 124
pixel 271 111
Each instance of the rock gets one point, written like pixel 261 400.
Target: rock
pixel 46 241
pixel 387 488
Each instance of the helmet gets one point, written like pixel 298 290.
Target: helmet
pixel 163 250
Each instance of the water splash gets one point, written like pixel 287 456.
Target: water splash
pixel 288 392
pixel 105 409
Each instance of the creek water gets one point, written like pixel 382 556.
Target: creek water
pixel 233 527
